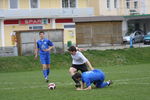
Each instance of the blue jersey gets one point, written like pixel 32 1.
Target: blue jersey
pixel 44 44
pixel 92 76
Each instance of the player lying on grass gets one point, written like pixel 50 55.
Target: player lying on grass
pixel 79 62
pixel 94 76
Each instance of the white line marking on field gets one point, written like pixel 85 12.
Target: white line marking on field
pixel 40 85
pixel 133 79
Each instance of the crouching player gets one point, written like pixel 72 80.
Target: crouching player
pixel 94 76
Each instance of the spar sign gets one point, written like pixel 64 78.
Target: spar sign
pixel 34 21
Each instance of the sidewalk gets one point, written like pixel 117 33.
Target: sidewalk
pixel 137 45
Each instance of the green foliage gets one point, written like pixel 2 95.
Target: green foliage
pixel 98 58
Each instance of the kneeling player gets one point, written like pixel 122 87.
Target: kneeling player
pixel 94 76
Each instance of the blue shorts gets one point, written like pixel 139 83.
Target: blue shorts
pixel 45 58
pixel 101 75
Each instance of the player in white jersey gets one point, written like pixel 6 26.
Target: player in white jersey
pixel 79 62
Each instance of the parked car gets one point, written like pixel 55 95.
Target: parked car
pixel 137 36
pixel 146 39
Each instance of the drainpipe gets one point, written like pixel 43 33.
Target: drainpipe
pixel 53 23
pixel 2 33
pixel 124 27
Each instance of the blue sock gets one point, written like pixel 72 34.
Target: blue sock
pixel 104 84
pixel 48 71
pixel 45 73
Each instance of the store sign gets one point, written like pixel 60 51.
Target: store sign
pixel 31 21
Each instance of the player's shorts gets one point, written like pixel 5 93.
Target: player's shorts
pixel 45 58
pixel 82 67
pixel 101 79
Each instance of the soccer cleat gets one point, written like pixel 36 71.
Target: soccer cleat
pixel 78 85
pixel 46 80
pixel 110 82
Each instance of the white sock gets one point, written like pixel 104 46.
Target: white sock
pixel 108 82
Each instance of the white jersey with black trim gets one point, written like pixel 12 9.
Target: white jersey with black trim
pixel 78 58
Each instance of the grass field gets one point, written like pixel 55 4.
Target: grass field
pixel 131 82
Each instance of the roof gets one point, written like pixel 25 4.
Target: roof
pixel 134 17
pixel 98 18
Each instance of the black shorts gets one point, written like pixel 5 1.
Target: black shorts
pixel 82 68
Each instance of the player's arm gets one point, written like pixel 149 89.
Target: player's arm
pixel 86 61
pixel 88 88
pixel 80 49
pixel 82 87
pixel 36 51
pixel 89 64
pixel 50 47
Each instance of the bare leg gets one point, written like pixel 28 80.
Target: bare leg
pixel 72 71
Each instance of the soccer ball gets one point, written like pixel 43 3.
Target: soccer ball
pixel 51 86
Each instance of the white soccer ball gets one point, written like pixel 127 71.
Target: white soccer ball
pixel 51 86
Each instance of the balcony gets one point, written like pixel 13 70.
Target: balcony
pixel 44 13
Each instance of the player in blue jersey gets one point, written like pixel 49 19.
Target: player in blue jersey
pixel 94 76
pixel 43 48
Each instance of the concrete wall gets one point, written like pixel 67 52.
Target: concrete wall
pixel 8 51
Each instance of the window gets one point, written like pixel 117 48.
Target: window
pixel 115 3
pixel 135 4
pixel 69 26
pixel 128 4
pixel 35 27
pixel 13 4
pixel 34 3
pixel 69 3
pixel 108 3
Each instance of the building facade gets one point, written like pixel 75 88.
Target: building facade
pixel 17 15
pixel 120 7
pixel 125 8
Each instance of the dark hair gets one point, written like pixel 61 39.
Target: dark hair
pixel 77 75
pixel 41 32
pixel 72 48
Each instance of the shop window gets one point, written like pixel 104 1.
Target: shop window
pixel 69 26
pixel 35 27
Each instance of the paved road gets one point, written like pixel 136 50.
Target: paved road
pixel 137 45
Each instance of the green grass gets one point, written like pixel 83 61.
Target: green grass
pixel 63 61
pixel 131 82
pixel 21 77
